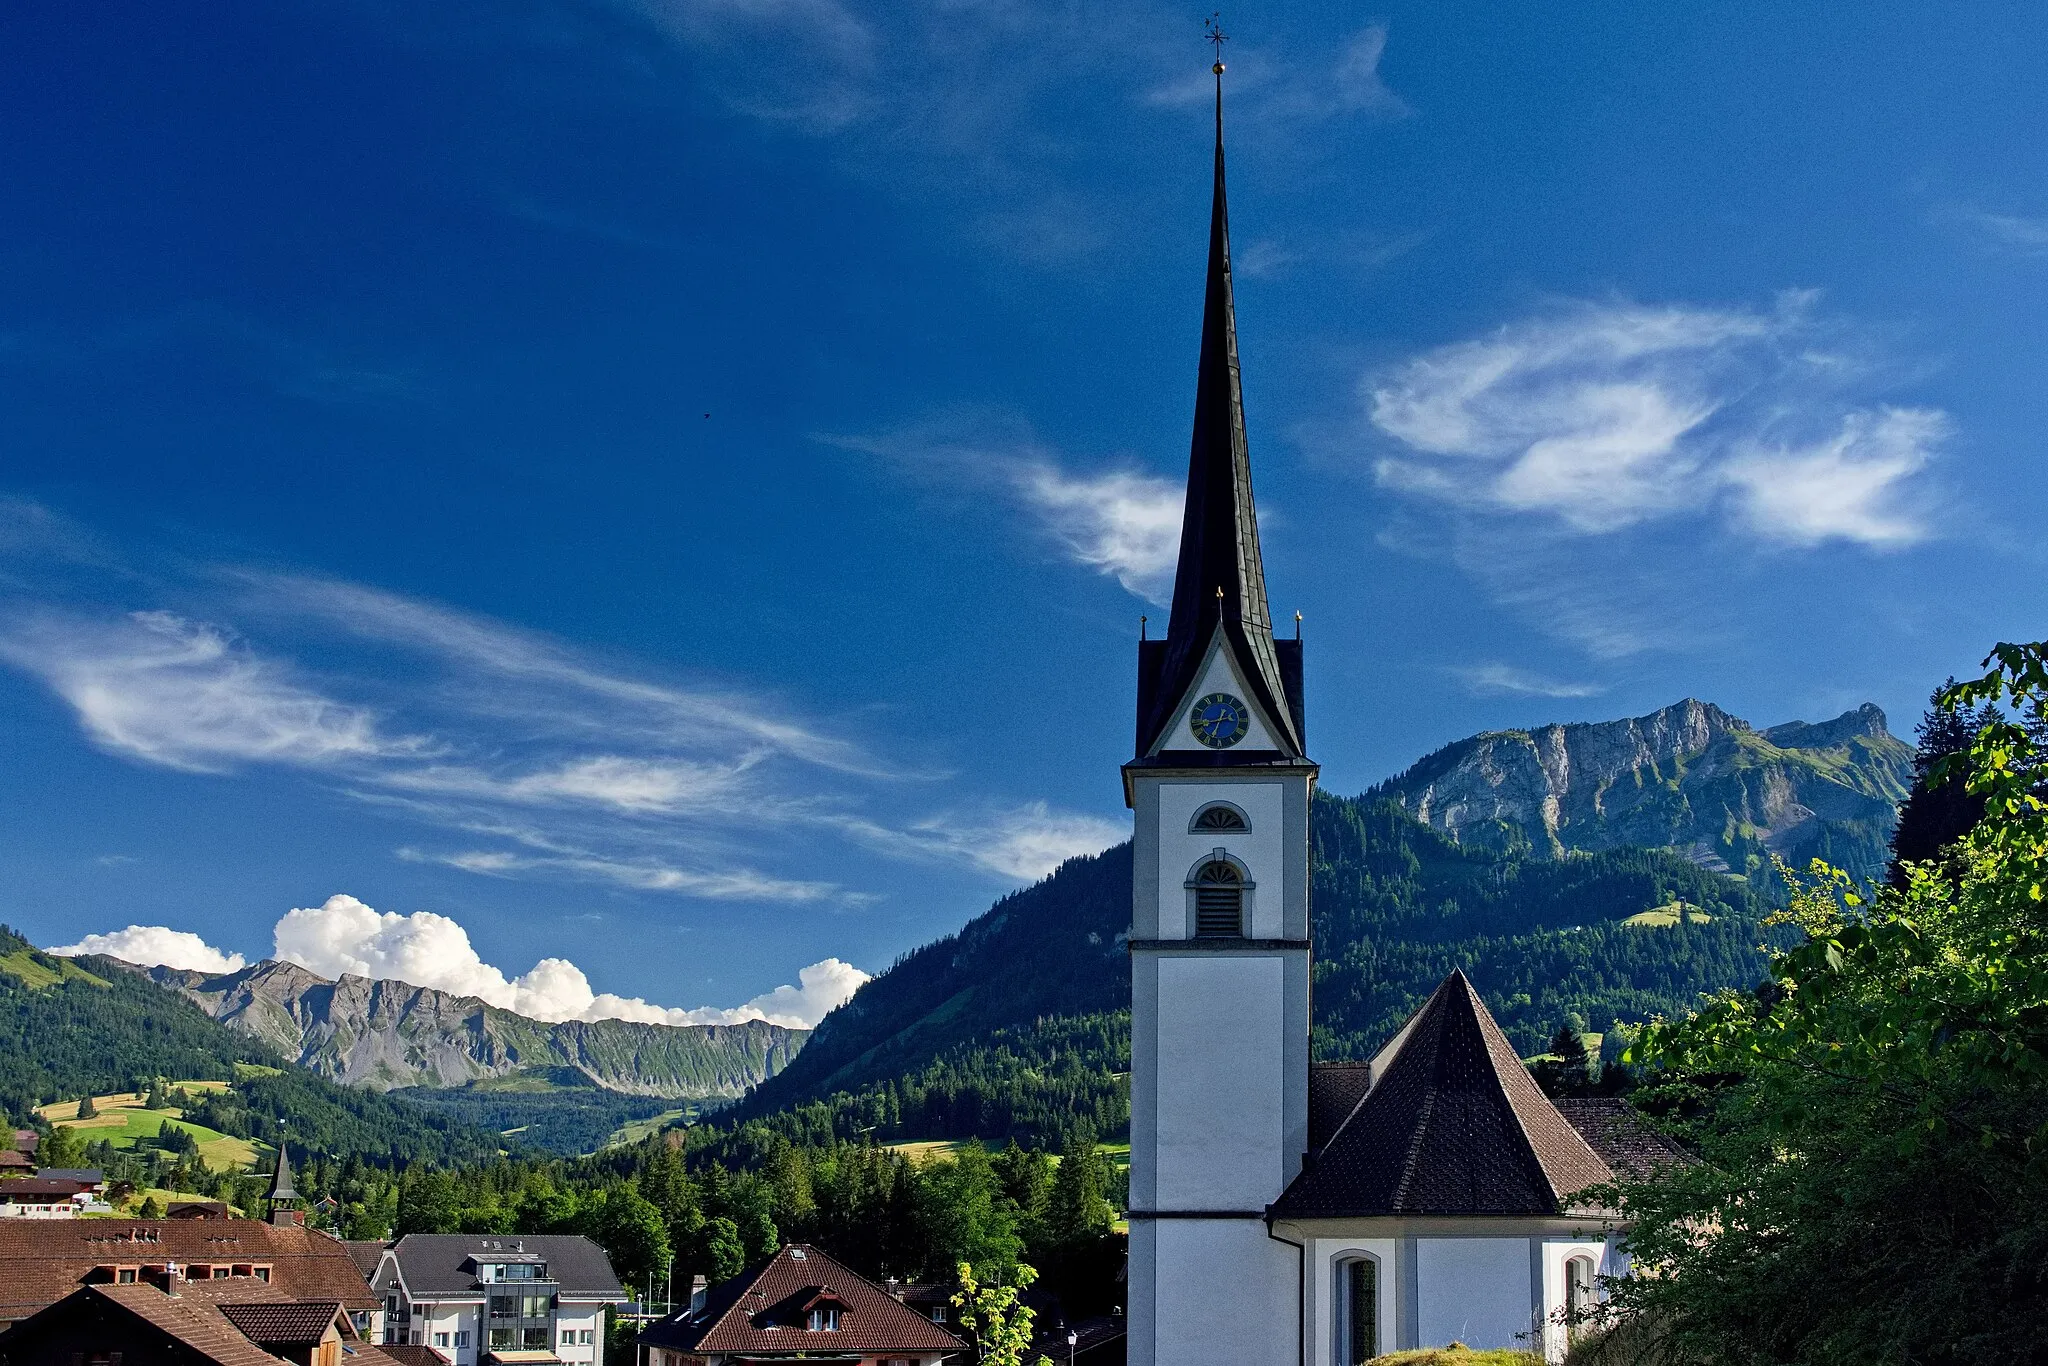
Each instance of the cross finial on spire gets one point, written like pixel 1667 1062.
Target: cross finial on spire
pixel 1212 28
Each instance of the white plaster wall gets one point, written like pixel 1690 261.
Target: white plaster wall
pixel 1219 1084
pixel 580 1318
pixel 1323 1301
pixel 1259 849
pixel 1474 1290
pixel 1557 1251
pixel 1231 1298
pixel 1219 675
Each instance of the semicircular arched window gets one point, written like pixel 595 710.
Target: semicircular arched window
pixel 1219 901
pixel 1218 816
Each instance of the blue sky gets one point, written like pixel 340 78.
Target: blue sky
pixel 670 485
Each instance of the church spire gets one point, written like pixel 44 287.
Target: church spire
pixel 1220 579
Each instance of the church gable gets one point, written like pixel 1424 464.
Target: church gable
pixel 1219 676
pixel 1451 1124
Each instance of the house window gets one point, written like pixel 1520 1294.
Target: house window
pixel 1579 1296
pixel 824 1319
pixel 440 1339
pixel 938 1313
pixel 462 1338
pixel 535 1338
pixel 1358 1284
pixel 1218 816
pixel 585 1337
pixel 125 1276
pixel 1219 901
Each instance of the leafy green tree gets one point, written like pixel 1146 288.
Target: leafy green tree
pixel 152 1208
pixel 429 1202
pixel 61 1147
pixel 721 1253
pixel 993 1314
pixel 631 1231
pixel 963 1217
pixel 1872 1122
pixel 1940 808
pixel 159 1097
pixel 87 1110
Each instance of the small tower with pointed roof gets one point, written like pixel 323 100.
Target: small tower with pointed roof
pixel 284 1204
pixel 1219 783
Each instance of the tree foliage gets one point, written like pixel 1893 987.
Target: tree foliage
pixel 1872 1123
pixel 993 1314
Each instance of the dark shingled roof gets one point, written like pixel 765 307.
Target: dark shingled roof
pixel 1334 1090
pixel 1617 1131
pixel 433 1263
pixel 1453 1124
pixel 760 1313
pixel 291 1324
pixel 412 1354
pixel 1219 537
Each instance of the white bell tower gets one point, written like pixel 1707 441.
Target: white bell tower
pixel 1220 913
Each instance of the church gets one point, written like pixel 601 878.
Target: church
pixel 1285 1212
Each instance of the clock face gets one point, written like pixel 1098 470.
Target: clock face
pixel 1219 720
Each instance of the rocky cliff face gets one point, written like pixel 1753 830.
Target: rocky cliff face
pixel 1688 777
pixel 384 1034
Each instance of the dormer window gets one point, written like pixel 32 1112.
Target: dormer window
pixel 1218 816
pixel 824 1319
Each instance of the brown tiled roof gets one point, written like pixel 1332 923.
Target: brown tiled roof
pixel 277 1325
pixel 40 1185
pixel 197 1323
pixel 759 1313
pixel 1453 1124
pixel 1618 1132
pixel 411 1354
pixel 366 1256
pixel 42 1261
pixel 14 1157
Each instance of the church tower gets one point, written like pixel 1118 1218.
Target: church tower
pixel 1219 945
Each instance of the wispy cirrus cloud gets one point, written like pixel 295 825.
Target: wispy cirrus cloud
pixel 1121 522
pixel 541 760
pixel 1599 417
pixel 2024 234
pixel 1506 680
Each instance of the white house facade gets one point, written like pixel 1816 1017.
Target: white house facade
pixel 490 1301
pixel 1284 1214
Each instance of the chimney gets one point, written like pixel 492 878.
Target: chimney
pixel 699 1288
pixel 895 1288
pixel 171 1279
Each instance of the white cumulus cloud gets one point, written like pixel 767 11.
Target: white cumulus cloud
pixel 343 935
pixel 153 946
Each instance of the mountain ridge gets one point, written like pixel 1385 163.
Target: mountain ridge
pixel 386 1034
pixel 1689 777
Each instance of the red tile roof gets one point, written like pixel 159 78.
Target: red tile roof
pixel 761 1312
pixel 196 1323
pixel 43 1260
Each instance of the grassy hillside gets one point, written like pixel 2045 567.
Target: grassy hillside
pixel 75 1028
pixel 1019 1024
pixel 123 1121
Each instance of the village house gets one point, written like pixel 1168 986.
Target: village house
pixel 476 1300
pixel 800 1304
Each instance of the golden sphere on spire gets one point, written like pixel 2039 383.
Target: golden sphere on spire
pixel 1218 68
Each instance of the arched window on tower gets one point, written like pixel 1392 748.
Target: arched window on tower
pixel 1218 816
pixel 1219 901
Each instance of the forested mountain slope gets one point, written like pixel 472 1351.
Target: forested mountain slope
pixel 1688 777
pixel 388 1034
pixel 1022 1017
pixel 78 1027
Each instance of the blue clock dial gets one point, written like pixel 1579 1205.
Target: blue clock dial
pixel 1219 720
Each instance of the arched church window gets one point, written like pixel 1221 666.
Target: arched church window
pixel 1359 1286
pixel 1579 1295
pixel 1218 816
pixel 1219 901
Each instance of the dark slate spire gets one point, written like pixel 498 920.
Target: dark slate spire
pixel 1220 577
pixel 284 1198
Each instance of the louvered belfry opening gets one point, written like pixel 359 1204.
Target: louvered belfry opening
pixel 1219 902
pixel 1219 817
